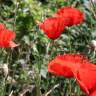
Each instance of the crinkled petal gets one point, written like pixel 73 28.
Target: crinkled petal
pixel 2 27
pixel 93 93
pixel 6 37
pixel 66 65
pixel 75 15
pixel 52 27
pixel 82 85
pixel 87 76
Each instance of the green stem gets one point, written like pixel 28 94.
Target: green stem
pixel 69 88
pixel 93 8
pixel 38 92
pixel 69 41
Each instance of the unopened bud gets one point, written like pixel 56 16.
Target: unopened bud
pixel 5 69
pixel 94 1
pixel 93 44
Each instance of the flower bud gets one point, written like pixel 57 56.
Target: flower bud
pixel 94 1
pixel 93 44
pixel 5 69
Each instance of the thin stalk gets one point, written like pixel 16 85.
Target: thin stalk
pixel 16 7
pixel 70 50
pixel 38 92
pixel 78 92
pixel 69 42
pixel 49 92
pixel 69 88
pixel 38 77
pixel 93 9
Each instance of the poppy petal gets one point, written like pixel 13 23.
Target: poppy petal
pixel 93 93
pixel 2 27
pixel 6 37
pixel 66 65
pixel 82 85
pixel 12 44
pixel 52 27
pixel 87 76
pixel 75 15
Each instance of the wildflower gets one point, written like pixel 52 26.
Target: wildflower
pixel 66 65
pixel 52 27
pixel 75 15
pixel 6 37
pixel 78 67
pixel 2 27
pixel 93 94
pixel 86 77
pixel 66 16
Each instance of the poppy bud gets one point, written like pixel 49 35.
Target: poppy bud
pixel 93 44
pixel 5 69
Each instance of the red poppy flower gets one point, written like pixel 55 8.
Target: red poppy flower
pixel 75 15
pixel 6 37
pixel 75 65
pixel 86 77
pixel 2 27
pixel 93 94
pixel 66 65
pixel 52 27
